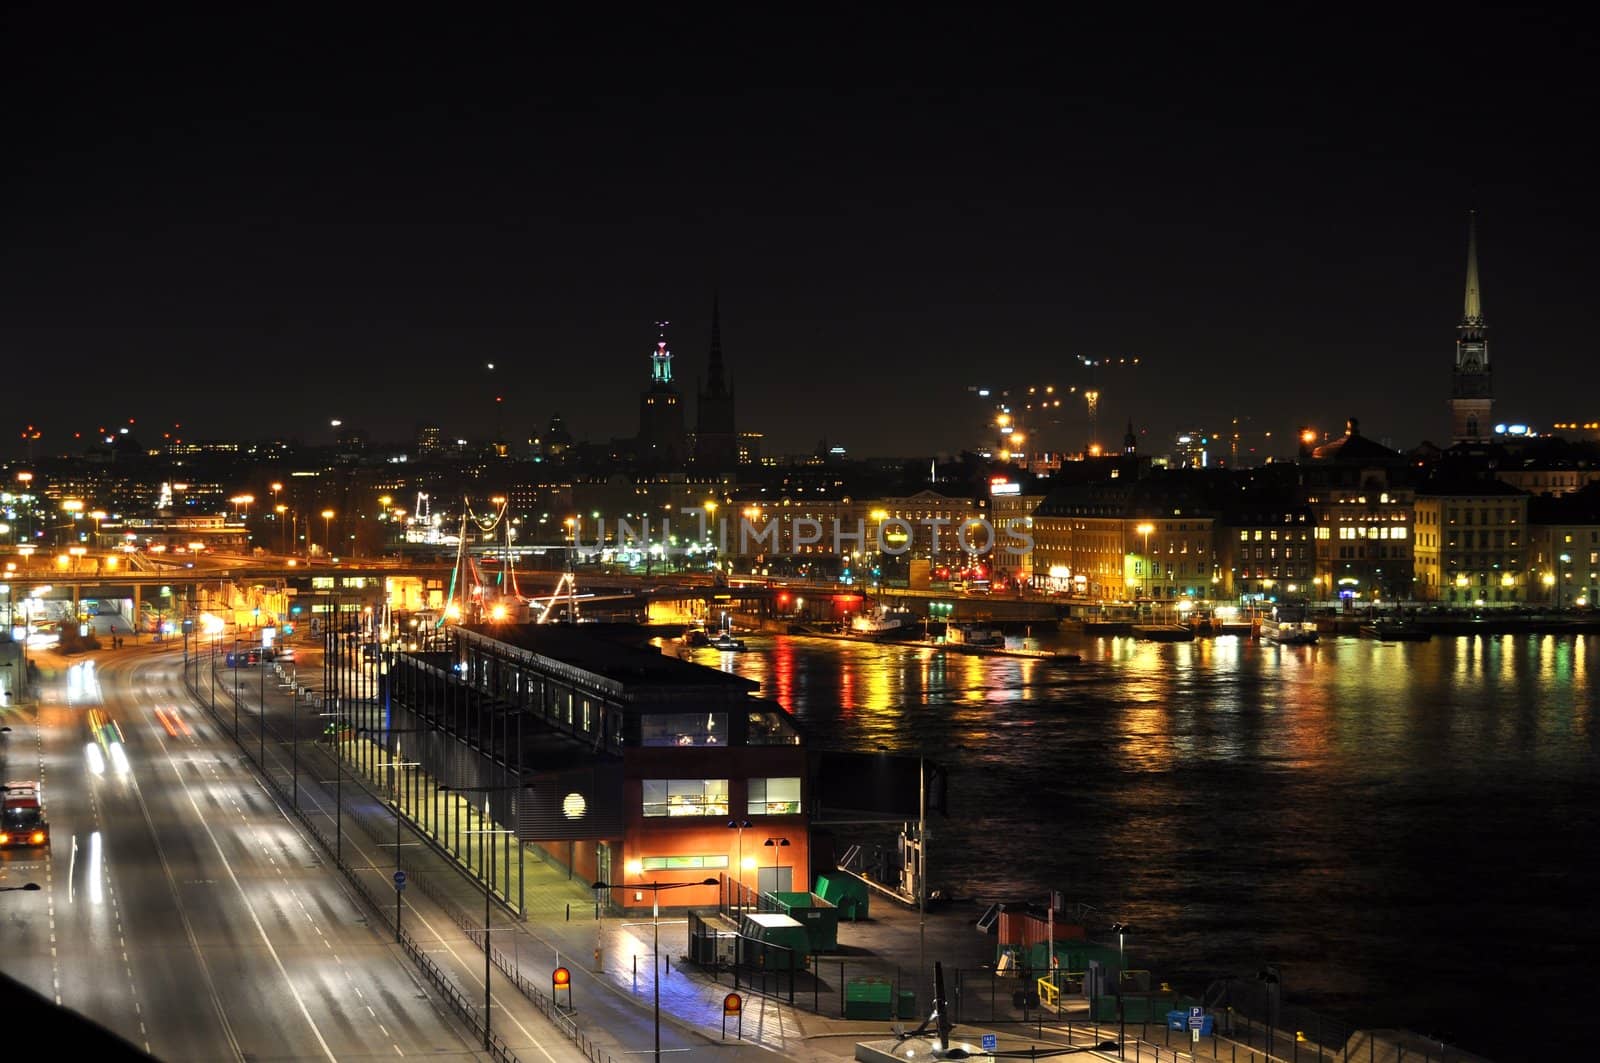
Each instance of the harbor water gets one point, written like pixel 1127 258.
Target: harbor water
pixel 1403 829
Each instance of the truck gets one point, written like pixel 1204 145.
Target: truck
pixel 22 822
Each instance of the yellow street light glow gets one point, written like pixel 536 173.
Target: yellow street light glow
pixel 72 505
pixel 327 514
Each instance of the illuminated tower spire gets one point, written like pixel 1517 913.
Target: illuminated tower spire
pixel 661 358
pixel 1471 383
pixel 1472 313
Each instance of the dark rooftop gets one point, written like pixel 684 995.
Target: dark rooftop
pixel 620 652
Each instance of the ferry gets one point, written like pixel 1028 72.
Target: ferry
pixel 1288 625
pixel 724 640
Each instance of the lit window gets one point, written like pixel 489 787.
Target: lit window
pixel 683 863
pixel 685 797
pixel 774 797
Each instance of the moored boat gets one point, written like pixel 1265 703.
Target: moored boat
pixel 1288 625
pixel 1395 631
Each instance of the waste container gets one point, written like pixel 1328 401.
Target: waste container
pixel 1177 1020
pixel 868 998
pixel 845 892
pixel 778 942
pixel 908 1004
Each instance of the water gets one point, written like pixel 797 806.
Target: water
pixel 1404 829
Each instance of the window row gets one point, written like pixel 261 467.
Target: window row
pixel 709 797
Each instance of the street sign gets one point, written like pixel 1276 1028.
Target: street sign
pixel 991 1042
pixel 1197 1018
pixel 399 880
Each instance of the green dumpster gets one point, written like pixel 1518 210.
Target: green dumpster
pixel 820 918
pixel 845 892
pixel 869 998
pixel 908 1004
pixel 776 941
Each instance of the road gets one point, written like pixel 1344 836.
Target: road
pixel 182 908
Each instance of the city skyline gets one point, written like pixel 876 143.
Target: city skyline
pixel 886 221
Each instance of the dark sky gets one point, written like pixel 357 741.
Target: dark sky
pixel 258 222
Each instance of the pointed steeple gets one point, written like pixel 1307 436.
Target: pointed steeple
pixel 1472 381
pixel 716 375
pixel 1472 313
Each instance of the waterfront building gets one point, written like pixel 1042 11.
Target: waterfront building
pixel 676 751
pixel 1470 545
pixel 1361 501
pixel 1125 541
pixel 1564 548
pixel 1265 551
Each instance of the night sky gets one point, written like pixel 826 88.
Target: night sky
pixel 256 223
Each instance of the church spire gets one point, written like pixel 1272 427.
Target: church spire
pixel 716 374
pixel 1472 381
pixel 1472 313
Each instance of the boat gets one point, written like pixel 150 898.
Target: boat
pixel 1288 625
pixel 725 641
pixel 882 621
pixel 1164 632
pixel 976 636
pixel 1395 631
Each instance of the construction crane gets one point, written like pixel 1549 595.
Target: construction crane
pixel 1091 392
pixel 1018 412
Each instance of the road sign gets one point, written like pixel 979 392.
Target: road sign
pixel 399 880
pixel 991 1042
pixel 1197 1018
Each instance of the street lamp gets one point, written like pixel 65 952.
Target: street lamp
pixel 488 886
pixel 1145 529
pixel 327 533
pixel 655 889
pixel 1565 575
pixel 775 844
pixel 740 825
pixel 1120 929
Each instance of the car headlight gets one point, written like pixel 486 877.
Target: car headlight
pixel 38 837
pixel 5 839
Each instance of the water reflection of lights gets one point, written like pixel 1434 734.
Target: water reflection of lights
pixel 97 760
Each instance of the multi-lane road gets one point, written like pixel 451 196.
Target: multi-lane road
pixel 181 908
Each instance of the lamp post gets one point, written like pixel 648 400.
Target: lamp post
pixel 327 533
pixel 1144 529
pixel 775 844
pixel 738 868
pixel 655 889
pixel 488 886
pixel 396 765
pixel 1121 930
pixel 1563 577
